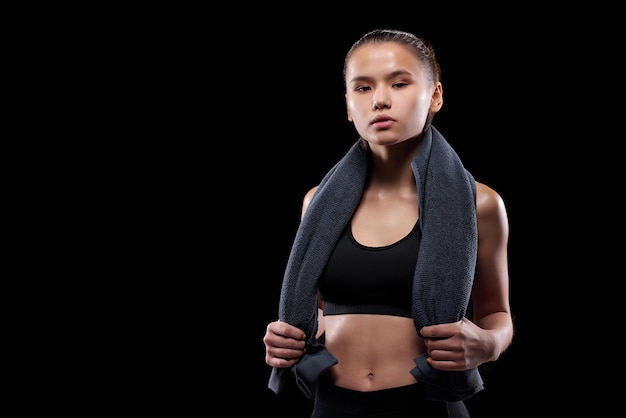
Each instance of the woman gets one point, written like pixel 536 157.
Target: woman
pixel 400 249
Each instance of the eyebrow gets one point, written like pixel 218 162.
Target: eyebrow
pixel 390 76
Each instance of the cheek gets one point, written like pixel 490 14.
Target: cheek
pixel 355 109
pixel 416 114
pixel 351 105
pixel 422 102
pixel 421 106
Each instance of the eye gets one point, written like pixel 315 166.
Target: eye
pixel 400 84
pixel 362 88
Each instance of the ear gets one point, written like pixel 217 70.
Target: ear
pixel 348 109
pixel 436 101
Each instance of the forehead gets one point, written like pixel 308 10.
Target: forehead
pixel 371 59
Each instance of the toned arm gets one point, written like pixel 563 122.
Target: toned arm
pixel 490 296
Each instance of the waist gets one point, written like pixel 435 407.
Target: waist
pixel 404 401
pixel 373 351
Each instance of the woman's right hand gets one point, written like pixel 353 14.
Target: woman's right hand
pixel 284 344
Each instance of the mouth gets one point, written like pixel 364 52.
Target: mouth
pixel 382 122
pixel 381 118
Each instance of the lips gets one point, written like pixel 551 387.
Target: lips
pixel 381 118
pixel 382 122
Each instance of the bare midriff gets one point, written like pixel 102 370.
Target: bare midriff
pixel 373 351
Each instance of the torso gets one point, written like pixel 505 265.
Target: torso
pixel 376 351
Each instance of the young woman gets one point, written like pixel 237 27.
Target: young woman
pixel 397 284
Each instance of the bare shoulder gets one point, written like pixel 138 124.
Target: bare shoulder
pixel 307 199
pixel 489 204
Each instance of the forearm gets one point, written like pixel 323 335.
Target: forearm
pixel 500 330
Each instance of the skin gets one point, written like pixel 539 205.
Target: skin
pixel 387 81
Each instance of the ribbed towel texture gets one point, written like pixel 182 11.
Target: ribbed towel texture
pixel 444 271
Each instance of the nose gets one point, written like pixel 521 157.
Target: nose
pixel 380 100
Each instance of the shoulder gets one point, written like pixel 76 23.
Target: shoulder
pixel 487 198
pixel 490 205
pixel 307 199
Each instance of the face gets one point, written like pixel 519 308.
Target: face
pixel 389 96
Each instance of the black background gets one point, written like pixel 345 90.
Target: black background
pixel 246 117
pixel 481 118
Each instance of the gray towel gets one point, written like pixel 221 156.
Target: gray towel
pixel 445 264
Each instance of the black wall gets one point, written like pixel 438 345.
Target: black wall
pixel 253 115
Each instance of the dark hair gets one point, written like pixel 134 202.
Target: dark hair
pixel 422 48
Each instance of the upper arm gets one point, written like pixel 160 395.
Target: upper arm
pixel 307 199
pixel 491 283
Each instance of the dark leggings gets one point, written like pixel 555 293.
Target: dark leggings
pixel 404 402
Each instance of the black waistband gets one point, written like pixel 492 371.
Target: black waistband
pixel 404 401
pixel 331 308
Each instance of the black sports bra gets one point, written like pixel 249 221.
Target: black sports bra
pixel 370 280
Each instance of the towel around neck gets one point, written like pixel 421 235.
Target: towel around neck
pixel 444 270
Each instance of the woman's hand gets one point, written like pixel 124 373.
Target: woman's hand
pixel 457 346
pixel 284 344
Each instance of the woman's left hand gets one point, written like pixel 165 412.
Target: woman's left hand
pixel 457 346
